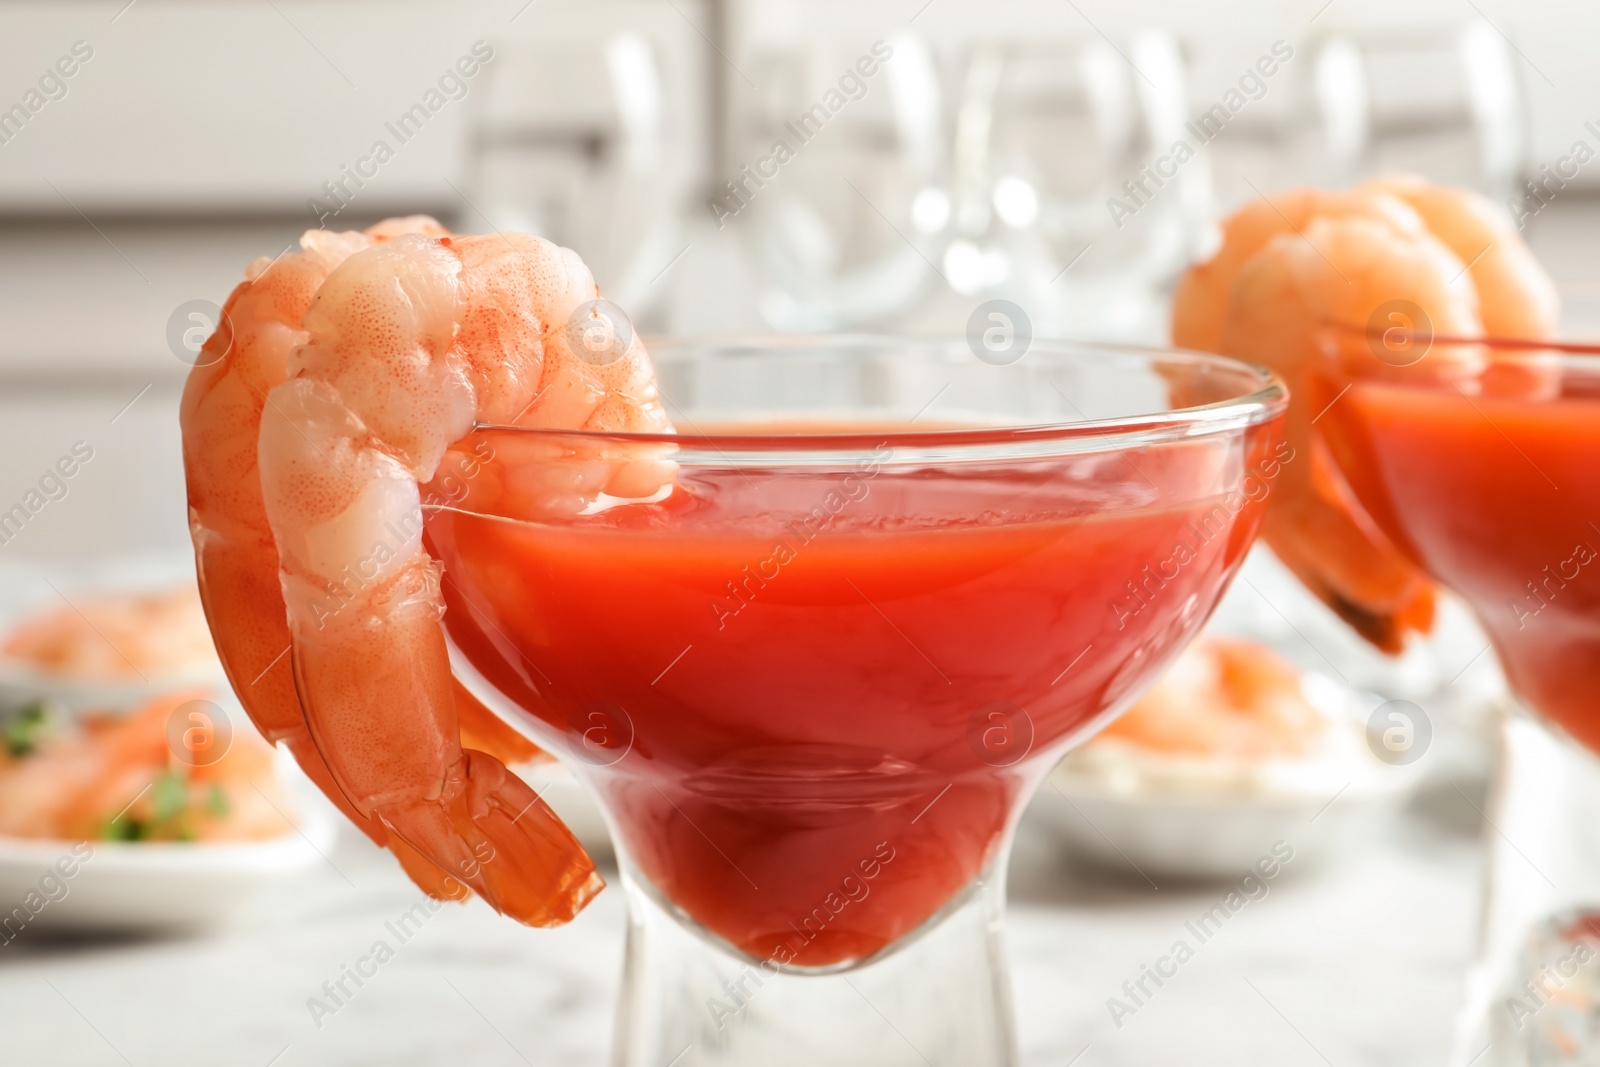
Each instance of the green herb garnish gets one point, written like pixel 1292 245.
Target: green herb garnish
pixel 20 733
pixel 170 812
pixel 123 830
pixel 170 795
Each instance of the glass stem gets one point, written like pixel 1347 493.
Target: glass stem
pixel 1533 992
pixel 941 999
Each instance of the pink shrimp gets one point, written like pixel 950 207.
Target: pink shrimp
pixel 114 777
pixel 1227 698
pixel 115 635
pixel 1291 265
pixel 351 370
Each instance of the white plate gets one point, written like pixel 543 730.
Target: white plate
pixel 147 887
pixel 1204 837
pixel 1220 829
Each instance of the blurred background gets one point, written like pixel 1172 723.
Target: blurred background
pixel 743 166
pixel 978 163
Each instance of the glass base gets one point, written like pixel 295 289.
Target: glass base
pixel 1533 993
pixel 942 998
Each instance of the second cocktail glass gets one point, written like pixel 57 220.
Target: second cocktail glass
pixel 1477 459
pixel 814 683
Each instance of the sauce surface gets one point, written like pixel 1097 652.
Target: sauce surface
pixel 813 701
pixel 1498 497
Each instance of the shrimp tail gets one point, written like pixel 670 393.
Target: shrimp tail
pixel 1351 567
pixel 381 705
pixel 1387 630
pixel 502 841
pixel 423 872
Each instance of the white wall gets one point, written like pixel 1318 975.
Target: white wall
pixel 222 105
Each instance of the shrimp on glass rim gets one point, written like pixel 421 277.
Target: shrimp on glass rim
pixel 1395 251
pixel 340 378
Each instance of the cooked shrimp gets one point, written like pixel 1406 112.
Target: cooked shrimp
pixel 116 778
pixel 116 636
pixel 1516 298
pixel 1224 698
pixel 1290 266
pixel 308 444
pixel 235 557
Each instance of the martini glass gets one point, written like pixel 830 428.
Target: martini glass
pixel 814 682
pixel 1477 458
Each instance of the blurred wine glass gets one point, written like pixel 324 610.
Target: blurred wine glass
pixel 980 171
pixel 582 142
pixel 1443 100
pixel 842 228
pixel 1061 204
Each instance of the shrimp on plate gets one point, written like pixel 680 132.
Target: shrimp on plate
pixel 115 636
pixel 341 377
pixel 1224 698
pixel 1395 251
pixel 113 777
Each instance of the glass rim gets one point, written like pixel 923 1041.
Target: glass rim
pixel 1266 398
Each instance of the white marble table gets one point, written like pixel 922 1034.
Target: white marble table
pixel 1355 964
